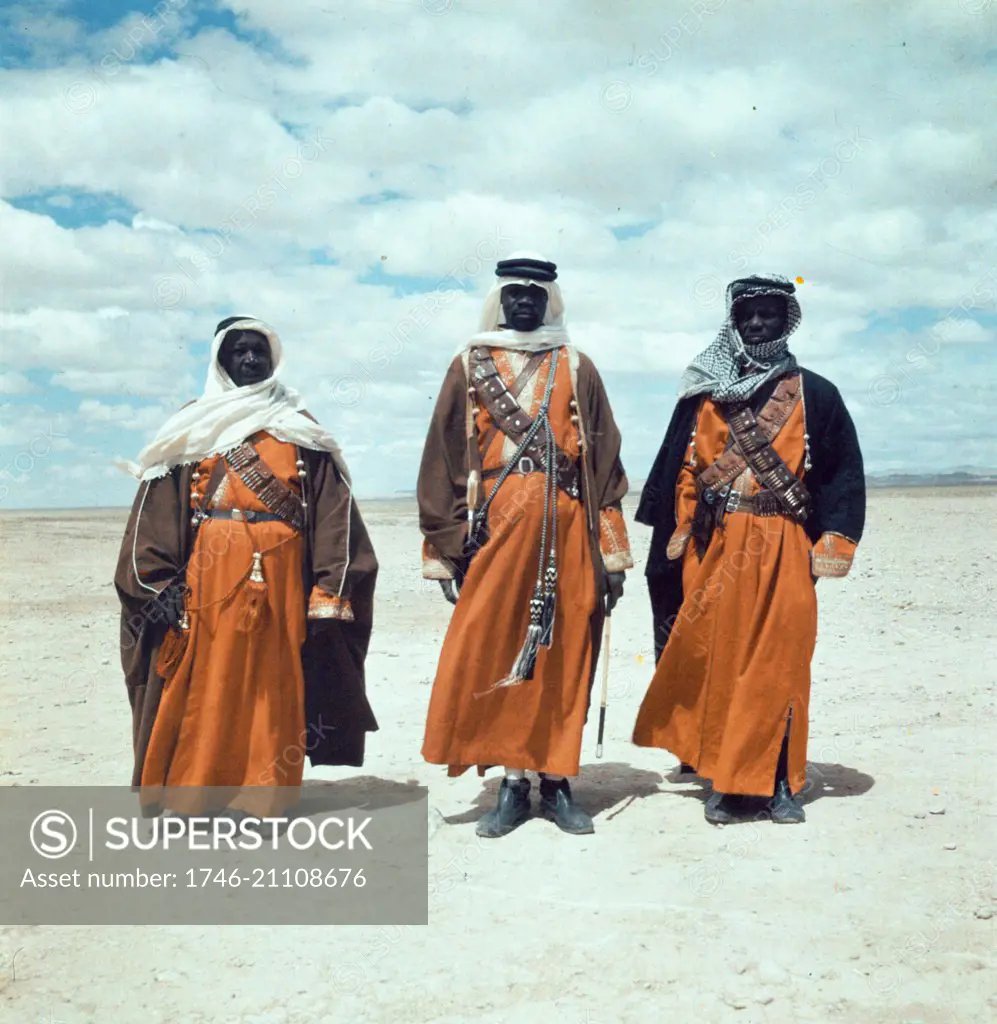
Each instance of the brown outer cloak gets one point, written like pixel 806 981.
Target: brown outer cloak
pixel 442 486
pixel 337 712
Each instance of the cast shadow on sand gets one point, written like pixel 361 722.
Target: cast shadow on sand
pixel 365 792
pixel 823 780
pixel 598 788
pixel 834 780
pixel 603 786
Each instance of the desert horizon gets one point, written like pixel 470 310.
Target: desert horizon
pixel 928 487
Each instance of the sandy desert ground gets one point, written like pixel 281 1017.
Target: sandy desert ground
pixel 879 909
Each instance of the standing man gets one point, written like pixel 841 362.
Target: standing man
pixel 246 579
pixel 520 493
pixel 758 491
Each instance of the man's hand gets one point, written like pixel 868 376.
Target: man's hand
pixel 614 589
pixel 168 605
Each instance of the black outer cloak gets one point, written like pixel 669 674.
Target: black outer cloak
pixel 836 482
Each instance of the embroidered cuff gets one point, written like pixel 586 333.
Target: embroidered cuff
pixel 677 543
pixel 613 541
pixel 325 606
pixel 434 565
pixel 832 555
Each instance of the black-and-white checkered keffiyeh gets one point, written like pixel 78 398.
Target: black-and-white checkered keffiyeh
pixel 729 370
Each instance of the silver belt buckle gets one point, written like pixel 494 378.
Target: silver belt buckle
pixel 237 514
pixel 526 465
pixel 734 501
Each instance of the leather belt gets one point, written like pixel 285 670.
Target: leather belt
pixel 567 472
pixel 260 479
pixel 764 503
pixel 244 515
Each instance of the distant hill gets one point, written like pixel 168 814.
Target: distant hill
pixel 876 480
pixel 932 480
pixel 957 479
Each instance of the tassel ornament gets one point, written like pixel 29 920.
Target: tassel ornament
pixel 171 653
pixel 547 620
pixel 526 661
pixel 254 599
pixel 174 646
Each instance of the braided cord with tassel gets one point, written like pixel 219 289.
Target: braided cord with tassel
pixel 540 631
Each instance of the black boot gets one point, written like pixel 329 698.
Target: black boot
pixel 784 808
pixel 723 808
pixel 557 805
pixel 512 809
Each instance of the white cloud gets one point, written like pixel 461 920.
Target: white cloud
pixel 142 222
pixel 99 413
pixel 33 429
pixel 954 330
pixel 14 383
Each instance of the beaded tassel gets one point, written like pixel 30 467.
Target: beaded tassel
pixel 807 464
pixel 254 602
pixel 526 660
pixel 302 473
pixel 197 510
pixel 550 576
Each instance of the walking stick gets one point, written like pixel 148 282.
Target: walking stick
pixel 605 683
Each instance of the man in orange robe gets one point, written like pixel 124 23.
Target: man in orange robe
pixel 757 492
pixel 246 580
pixel 531 558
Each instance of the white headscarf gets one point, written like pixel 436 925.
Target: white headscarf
pixel 551 334
pixel 225 415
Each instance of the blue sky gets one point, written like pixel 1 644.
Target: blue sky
pixel 337 170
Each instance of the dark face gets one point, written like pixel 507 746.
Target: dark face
pixel 524 306
pixel 761 319
pixel 245 357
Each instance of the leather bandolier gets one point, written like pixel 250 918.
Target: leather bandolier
pixel 259 478
pixel 750 446
pixel 512 420
pixel 283 504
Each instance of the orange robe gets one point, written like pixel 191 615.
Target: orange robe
pixel 736 668
pixel 536 725
pixel 233 714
